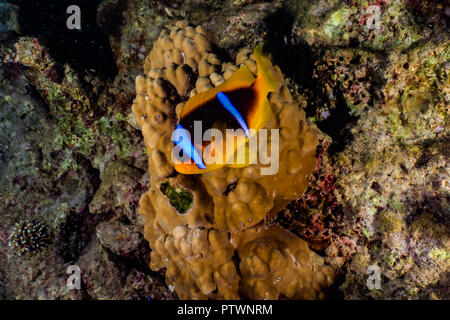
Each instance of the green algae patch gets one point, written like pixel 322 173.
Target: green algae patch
pixel 334 27
pixel 367 233
pixel 179 198
pixel 390 222
pixel 440 254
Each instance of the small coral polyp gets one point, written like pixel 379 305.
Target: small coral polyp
pixel 29 236
pixel 221 247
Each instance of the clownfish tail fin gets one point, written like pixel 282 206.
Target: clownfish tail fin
pixel 268 79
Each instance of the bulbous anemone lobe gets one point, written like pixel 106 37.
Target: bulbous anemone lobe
pixel 209 252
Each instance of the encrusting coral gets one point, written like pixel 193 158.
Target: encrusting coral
pixel 276 263
pixel 208 230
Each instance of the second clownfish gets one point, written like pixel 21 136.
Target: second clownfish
pixel 238 103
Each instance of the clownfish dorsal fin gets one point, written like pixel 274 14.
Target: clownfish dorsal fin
pixel 242 78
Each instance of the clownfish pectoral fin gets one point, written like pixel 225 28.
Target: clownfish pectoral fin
pixel 241 156
pixel 250 157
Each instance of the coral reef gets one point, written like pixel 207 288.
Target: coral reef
pixel 51 166
pixel 29 236
pixel 72 155
pixel 276 263
pixel 354 74
pixel 399 179
pixel 197 246
pixel 381 25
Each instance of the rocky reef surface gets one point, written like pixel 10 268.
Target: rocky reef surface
pixel 372 76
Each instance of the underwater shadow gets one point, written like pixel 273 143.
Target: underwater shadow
pixel 85 50
pixel 297 62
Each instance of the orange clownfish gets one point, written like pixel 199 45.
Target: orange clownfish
pixel 240 104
